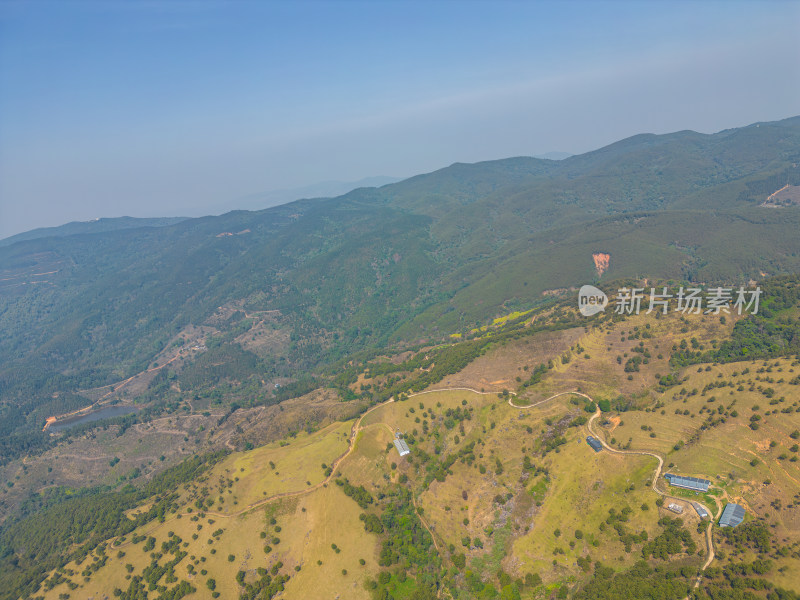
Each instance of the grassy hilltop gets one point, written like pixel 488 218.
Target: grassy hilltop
pixel 501 497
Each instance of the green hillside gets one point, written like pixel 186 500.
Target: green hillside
pixel 500 496
pixel 103 225
pixel 406 264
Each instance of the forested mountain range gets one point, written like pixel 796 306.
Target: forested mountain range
pixel 100 225
pixel 405 263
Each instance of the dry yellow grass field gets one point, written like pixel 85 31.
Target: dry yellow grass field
pixel 540 519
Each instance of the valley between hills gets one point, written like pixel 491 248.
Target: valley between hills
pixel 208 408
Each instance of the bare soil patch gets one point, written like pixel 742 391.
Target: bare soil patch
pixel 788 195
pixel 499 369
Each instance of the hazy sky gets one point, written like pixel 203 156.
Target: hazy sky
pixel 156 108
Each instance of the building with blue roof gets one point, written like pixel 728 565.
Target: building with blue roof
pixel 688 483
pixel 700 510
pixel 732 515
pixel 594 443
pixel 401 445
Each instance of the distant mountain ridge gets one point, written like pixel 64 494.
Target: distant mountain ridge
pixel 100 225
pixel 554 155
pixel 456 280
pixel 259 201
pixel 323 189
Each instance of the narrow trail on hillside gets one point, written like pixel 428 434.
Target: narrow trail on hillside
pixel 656 475
pixel 334 466
pixel 425 523
pixel 454 389
pixel 357 427
pixel 709 542
pixel 115 387
pixel 535 404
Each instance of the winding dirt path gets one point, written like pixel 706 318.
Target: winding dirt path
pixel 115 387
pixel 334 466
pixel 656 476
pixel 425 523
pixel 455 389
pixel 357 428
pixel 535 404
pixel 709 542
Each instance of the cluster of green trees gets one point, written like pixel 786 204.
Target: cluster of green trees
pixel 536 377
pixel 406 547
pixel 61 525
pixel 770 332
pixel 733 581
pixel 617 519
pixel 674 539
pixel 155 571
pixel 220 362
pixel 268 584
pixel 639 583
pixel 372 522
pixel 760 189
pixel 360 494
pixel 754 535
pixel 487 590
pixel 137 590
pixel 457 415
pixel 741 581
pixel 438 469
pixel 14 444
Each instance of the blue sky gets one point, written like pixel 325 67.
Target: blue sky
pixel 159 108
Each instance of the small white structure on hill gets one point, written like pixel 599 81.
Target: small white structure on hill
pixel 676 508
pixel 401 445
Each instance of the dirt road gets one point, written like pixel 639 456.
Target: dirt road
pixel 115 387
pixel 357 428
pixel 656 475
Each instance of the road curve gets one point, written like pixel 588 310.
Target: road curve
pixel 357 427
pixel 657 474
pixel 535 404
pixel 709 542
pixel 115 387
pixel 334 466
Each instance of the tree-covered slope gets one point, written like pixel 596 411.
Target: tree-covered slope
pixel 416 260
pixel 95 226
